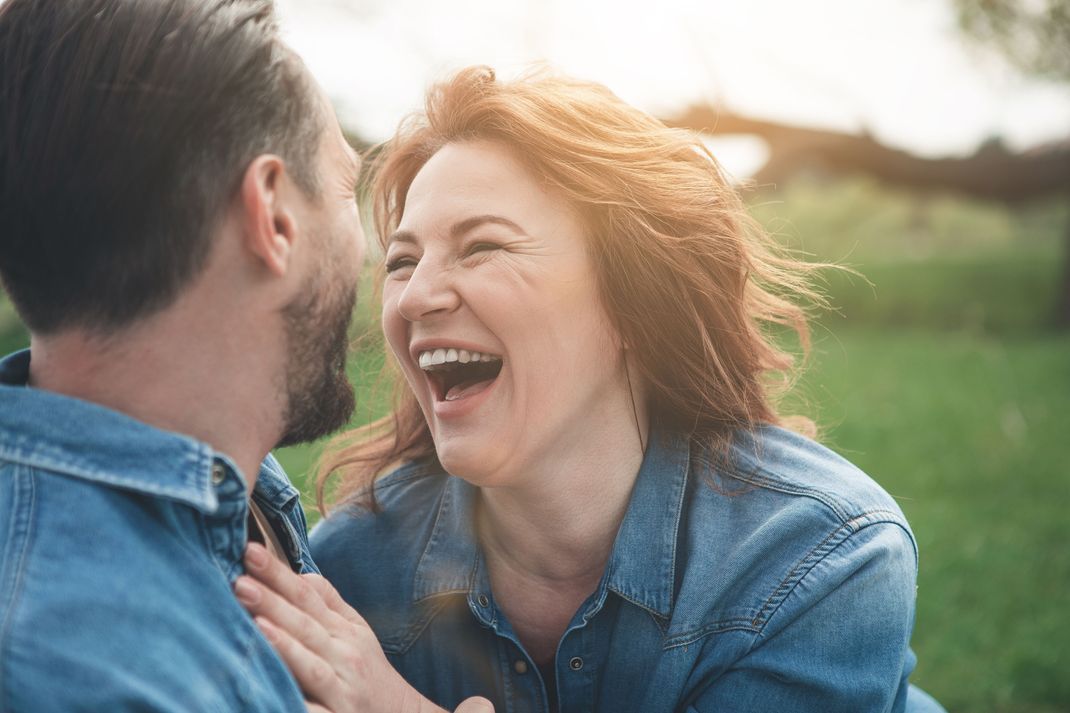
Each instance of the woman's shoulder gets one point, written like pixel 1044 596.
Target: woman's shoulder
pixel 780 510
pixel 805 472
pixel 361 541
pixel 407 492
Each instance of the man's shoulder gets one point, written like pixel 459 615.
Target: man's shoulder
pixel 120 594
pixel 54 433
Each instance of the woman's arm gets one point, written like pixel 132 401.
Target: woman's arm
pixel 327 645
pixel 838 641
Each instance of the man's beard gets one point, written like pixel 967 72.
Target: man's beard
pixel 318 393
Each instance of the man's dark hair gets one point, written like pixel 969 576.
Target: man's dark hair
pixel 125 129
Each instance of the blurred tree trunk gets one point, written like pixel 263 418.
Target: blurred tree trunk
pixel 991 173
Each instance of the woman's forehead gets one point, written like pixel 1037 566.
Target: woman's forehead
pixel 463 179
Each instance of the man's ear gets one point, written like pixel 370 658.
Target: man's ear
pixel 269 226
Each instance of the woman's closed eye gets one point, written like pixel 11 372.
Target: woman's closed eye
pixel 481 249
pixel 398 263
pixel 482 246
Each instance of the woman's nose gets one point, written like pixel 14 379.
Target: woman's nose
pixel 429 291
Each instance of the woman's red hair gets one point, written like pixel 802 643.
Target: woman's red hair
pixel 690 282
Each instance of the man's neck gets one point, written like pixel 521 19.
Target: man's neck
pixel 176 373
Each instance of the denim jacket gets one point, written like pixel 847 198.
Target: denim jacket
pixel 782 580
pixel 119 545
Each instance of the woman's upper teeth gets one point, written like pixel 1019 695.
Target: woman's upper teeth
pixel 434 357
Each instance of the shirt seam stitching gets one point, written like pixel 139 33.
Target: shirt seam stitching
pixel 757 624
pixel 718 627
pixel 412 634
pixel 799 572
pixel 18 572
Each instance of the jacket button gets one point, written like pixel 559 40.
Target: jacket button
pixel 219 474
pixel 520 666
pixel 483 601
pixel 575 663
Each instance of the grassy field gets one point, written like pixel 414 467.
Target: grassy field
pixel 970 434
pixel 941 378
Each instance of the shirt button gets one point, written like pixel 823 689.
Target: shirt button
pixel 575 663
pixel 521 667
pixel 219 474
pixel 483 601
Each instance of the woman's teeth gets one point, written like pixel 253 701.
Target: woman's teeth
pixel 432 358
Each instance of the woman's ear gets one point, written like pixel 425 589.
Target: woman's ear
pixel 269 226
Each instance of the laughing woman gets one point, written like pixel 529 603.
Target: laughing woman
pixel 586 498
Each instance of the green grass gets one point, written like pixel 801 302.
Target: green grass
pixel 970 434
pixel 1009 294
pixel 859 222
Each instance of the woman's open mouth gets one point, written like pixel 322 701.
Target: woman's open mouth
pixel 457 373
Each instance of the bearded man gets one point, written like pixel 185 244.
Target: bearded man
pixel 179 232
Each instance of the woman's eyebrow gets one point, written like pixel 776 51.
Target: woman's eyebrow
pixel 459 228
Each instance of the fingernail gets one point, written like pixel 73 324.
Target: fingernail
pixel 256 557
pixel 246 591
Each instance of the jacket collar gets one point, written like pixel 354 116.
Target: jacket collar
pixel 448 563
pixel 642 565
pixel 49 431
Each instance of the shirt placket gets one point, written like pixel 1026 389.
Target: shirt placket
pixel 226 527
pixel 576 663
pixel 579 658
pixel 521 683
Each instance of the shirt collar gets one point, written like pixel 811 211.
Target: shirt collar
pixel 448 563
pixel 642 565
pixel 50 431
pixel 273 487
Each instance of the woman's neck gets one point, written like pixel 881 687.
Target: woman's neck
pixel 547 543
pixel 559 525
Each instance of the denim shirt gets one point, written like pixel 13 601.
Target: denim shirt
pixel 782 580
pixel 120 543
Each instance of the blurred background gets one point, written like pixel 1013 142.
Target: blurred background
pixel 924 143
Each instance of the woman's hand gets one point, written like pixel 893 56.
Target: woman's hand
pixel 329 648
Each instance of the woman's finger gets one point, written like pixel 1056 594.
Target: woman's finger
pixel 316 677
pixel 282 580
pixel 262 602
pixel 315 708
pixel 333 599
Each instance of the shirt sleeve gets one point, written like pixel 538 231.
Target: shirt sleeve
pixel 838 641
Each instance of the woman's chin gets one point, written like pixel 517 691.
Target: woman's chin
pixel 472 462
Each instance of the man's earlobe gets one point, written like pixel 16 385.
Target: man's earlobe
pixel 268 225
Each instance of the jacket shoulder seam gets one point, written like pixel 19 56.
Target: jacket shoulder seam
pixel 763 478
pixel 818 553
